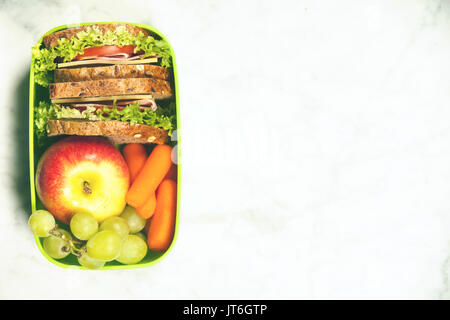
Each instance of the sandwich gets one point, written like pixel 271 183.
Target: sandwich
pixel 111 80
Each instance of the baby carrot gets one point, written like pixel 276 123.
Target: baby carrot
pixel 162 224
pixel 172 174
pixel 152 173
pixel 148 208
pixel 135 156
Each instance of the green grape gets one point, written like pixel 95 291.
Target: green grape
pixel 41 222
pixel 133 250
pixel 87 261
pixel 142 236
pixel 104 245
pixel 55 246
pixel 134 220
pixel 116 224
pixel 83 225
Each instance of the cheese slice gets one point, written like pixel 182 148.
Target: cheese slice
pixel 103 98
pixel 105 61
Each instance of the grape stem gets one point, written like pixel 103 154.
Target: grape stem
pixel 74 250
pixel 72 242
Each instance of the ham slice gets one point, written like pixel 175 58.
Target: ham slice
pixel 118 52
pixel 122 56
pixel 117 56
pixel 113 53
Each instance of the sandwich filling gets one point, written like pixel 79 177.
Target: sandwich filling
pixel 162 117
pixel 101 82
pixel 109 52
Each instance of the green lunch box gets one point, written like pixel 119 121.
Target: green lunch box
pixel 38 93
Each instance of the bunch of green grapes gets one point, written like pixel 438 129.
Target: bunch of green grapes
pixel 116 238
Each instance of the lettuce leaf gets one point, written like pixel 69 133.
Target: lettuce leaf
pixel 43 59
pixel 163 117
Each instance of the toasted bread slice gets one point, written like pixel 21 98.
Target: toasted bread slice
pixel 117 132
pixel 159 89
pixel 51 40
pixel 111 72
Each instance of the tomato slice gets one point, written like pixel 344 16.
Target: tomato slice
pixel 105 51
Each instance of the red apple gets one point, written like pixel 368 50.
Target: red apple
pixel 82 174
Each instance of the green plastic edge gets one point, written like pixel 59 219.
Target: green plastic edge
pixel 31 154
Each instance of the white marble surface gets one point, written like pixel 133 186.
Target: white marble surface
pixel 316 151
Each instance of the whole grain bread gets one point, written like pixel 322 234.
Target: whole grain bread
pixel 117 132
pixel 51 40
pixel 111 72
pixel 159 89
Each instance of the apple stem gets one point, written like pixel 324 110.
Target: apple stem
pixel 87 188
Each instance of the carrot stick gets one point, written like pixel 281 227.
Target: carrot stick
pixel 162 224
pixel 152 173
pixel 148 208
pixel 135 156
pixel 147 225
pixel 172 174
